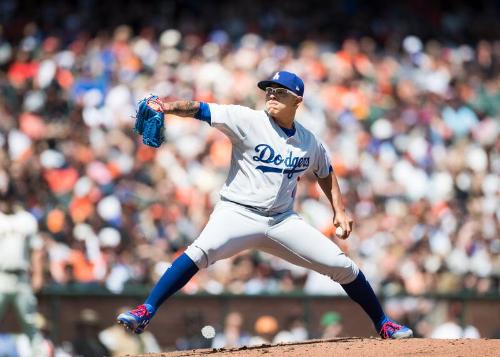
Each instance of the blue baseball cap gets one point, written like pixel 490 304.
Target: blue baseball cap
pixel 285 79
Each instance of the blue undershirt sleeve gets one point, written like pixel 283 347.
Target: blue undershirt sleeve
pixel 204 113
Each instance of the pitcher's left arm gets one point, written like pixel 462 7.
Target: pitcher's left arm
pixel 330 186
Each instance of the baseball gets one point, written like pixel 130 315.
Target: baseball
pixel 208 331
pixel 339 232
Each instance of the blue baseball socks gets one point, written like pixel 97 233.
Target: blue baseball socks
pixel 179 273
pixel 360 291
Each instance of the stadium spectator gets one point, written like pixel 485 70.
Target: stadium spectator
pixel 452 328
pixel 265 328
pixel 233 334
pixel 331 322
pixel 294 331
pixel 86 342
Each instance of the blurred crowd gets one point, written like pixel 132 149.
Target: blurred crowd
pixel 412 123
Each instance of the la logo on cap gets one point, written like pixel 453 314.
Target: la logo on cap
pixel 277 75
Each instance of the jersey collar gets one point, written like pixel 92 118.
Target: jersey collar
pixel 288 132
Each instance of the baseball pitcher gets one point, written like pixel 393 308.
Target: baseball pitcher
pixel 270 152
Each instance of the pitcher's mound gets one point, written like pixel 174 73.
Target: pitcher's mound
pixel 355 347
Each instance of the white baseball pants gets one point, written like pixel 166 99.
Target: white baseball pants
pixel 233 228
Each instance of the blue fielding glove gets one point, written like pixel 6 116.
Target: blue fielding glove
pixel 149 124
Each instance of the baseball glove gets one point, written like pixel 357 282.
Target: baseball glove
pixel 149 123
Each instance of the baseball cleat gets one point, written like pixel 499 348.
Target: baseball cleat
pixel 391 330
pixel 137 319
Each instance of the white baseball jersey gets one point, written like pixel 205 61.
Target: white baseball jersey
pixel 265 162
pixel 17 237
pixel 255 211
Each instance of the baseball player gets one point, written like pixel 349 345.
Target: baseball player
pixel 270 152
pixel 20 255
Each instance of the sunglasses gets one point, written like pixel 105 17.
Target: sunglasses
pixel 279 92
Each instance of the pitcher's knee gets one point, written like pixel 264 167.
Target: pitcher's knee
pixel 344 271
pixel 198 256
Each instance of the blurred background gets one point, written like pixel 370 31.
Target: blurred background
pixel 405 95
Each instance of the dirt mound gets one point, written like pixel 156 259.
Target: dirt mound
pixel 356 347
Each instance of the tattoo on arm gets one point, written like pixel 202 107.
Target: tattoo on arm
pixel 182 108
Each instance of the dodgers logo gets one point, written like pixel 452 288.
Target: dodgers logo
pixel 292 164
